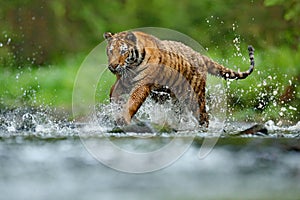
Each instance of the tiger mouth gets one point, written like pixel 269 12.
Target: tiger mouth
pixel 112 69
pixel 116 70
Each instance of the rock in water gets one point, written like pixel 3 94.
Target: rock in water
pixel 256 129
pixel 142 127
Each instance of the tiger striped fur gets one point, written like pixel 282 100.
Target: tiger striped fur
pixel 142 64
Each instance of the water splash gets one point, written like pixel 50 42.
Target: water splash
pixel 161 115
pixel 289 130
pixel 41 122
pixel 267 94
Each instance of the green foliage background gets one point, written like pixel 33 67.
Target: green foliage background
pixel 42 44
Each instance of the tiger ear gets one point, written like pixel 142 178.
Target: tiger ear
pixel 131 37
pixel 108 35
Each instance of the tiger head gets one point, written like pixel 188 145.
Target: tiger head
pixel 122 52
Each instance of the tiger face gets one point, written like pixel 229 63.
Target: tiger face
pixel 122 52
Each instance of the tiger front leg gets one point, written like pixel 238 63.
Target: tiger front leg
pixel 112 92
pixel 118 93
pixel 135 100
pixel 118 90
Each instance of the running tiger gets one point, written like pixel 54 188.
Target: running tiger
pixel 144 64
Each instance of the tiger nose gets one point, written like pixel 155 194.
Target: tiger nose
pixel 112 69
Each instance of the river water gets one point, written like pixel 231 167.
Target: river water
pixel 47 163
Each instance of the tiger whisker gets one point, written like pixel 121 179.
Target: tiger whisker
pixel 131 70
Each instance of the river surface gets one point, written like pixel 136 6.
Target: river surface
pixel 56 164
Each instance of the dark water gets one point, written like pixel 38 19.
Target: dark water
pixel 55 164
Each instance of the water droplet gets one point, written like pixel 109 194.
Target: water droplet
pixel 8 41
pixel 264 82
pixel 279 123
pixel 11 129
pixel 281 114
pixel 233 27
pixel 283 109
pixel 1 45
pixel 292 108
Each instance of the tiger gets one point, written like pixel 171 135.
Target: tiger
pixel 143 64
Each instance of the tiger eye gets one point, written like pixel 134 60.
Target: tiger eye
pixel 123 49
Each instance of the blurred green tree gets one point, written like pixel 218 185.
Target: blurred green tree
pixel 41 31
pixel 292 16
